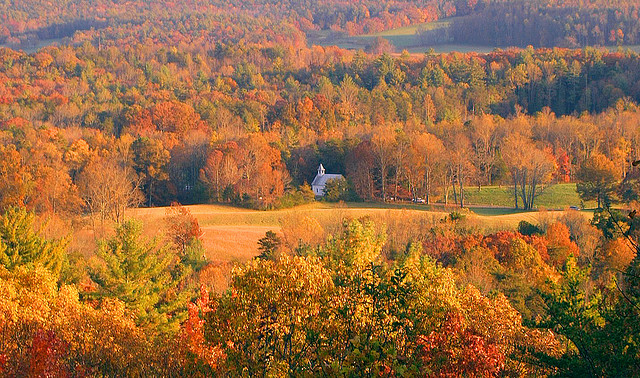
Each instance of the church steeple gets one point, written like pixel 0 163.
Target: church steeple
pixel 320 170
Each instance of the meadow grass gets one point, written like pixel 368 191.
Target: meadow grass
pixel 558 196
pixel 231 234
pixel 412 29
pixel 403 38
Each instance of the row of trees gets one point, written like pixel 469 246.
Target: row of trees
pixel 397 127
pixel 498 23
pixel 567 24
pixel 35 20
pixel 67 171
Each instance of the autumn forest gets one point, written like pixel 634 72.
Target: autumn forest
pixel 144 144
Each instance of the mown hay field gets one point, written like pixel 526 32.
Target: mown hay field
pixel 231 234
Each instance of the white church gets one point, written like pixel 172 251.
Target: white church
pixel 321 180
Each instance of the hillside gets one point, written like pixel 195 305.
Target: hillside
pixel 156 217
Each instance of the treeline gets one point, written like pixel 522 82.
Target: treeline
pixel 105 20
pixel 488 23
pixel 250 124
pixel 549 24
pixel 28 21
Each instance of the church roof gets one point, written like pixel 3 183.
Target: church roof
pixel 321 180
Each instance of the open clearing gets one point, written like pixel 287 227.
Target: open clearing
pixel 409 38
pixel 558 196
pixel 231 234
pixel 404 38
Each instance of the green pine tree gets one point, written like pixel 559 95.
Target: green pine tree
pixel 146 276
pixel 269 246
pixel 22 245
pixel 601 322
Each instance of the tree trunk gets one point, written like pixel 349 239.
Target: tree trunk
pixel 428 185
pixel 460 181
pixel 446 192
pixel 370 179
pixel 532 194
pixel 383 175
pixel 150 191
pixel 397 182
pixel 515 187
pixel 455 194
pixel 523 191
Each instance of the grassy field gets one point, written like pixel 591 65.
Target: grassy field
pixel 407 38
pixel 559 196
pixel 403 38
pixel 412 29
pixel 231 234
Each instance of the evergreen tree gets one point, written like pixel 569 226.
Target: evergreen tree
pixel 602 323
pixel 142 274
pixel 21 244
pixel 269 246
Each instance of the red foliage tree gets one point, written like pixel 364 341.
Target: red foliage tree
pixel 456 350
pixel 47 351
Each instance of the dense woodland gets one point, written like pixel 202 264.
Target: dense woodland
pixel 541 23
pixel 249 125
pixel 38 19
pixel 551 23
pixel 152 103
